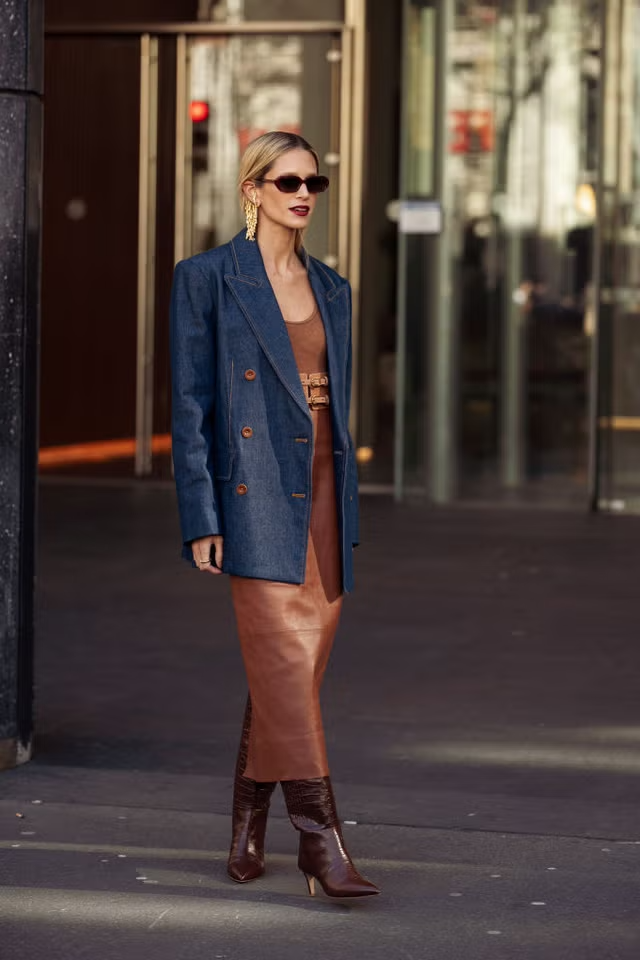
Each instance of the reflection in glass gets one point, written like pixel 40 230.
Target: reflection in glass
pixel 501 126
pixel 232 11
pixel 618 463
pixel 521 163
pixel 252 84
pixel 418 175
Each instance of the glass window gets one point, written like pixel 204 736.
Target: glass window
pixel 504 327
pixel 417 251
pixel 245 86
pixel 524 182
pixel 419 145
pixel 619 308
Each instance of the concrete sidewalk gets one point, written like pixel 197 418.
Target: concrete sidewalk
pixel 483 723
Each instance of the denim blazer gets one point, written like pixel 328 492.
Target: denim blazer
pixel 233 367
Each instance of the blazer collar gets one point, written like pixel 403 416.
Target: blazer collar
pixel 252 289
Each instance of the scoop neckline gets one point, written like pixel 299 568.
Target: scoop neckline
pixel 300 323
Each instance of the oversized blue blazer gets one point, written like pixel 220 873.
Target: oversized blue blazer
pixel 233 367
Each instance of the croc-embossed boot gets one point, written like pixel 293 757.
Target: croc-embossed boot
pixel 251 801
pixel 322 855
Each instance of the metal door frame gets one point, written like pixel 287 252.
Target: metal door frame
pixel 350 103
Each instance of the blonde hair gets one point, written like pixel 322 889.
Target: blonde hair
pixel 262 153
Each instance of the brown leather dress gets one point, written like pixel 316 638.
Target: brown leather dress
pixel 286 630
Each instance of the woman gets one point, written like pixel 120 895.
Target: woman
pixel 267 488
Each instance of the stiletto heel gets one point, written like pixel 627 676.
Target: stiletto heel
pixel 322 855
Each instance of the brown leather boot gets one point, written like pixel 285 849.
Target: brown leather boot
pixel 322 855
pixel 250 810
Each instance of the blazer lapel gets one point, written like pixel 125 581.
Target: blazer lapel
pixel 255 297
pixel 253 292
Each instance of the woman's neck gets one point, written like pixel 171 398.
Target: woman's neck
pixel 278 248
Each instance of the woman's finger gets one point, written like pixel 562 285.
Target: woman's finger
pixel 218 546
pixel 202 554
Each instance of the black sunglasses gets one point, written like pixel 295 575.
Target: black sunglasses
pixel 291 184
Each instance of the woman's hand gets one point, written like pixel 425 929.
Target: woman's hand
pixel 202 549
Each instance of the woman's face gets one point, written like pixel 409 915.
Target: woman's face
pixel 293 210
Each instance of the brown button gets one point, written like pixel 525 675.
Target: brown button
pixel 241 489
pixel 249 374
pixel 246 432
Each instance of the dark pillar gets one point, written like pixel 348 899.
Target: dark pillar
pixel 21 48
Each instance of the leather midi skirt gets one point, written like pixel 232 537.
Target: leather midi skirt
pixel 286 634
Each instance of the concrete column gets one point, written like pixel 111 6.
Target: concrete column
pixel 21 50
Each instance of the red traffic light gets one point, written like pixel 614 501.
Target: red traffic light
pixel 198 111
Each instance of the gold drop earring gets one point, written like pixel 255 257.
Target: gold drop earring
pixel 251 213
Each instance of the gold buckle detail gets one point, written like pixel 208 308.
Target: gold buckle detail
pixel 311 381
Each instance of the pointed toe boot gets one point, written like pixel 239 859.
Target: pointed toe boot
pixel 322 855
pixel 250 812
pixel 251 801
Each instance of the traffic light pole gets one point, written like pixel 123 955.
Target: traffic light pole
pixel 21 79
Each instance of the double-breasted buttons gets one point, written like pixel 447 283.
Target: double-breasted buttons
pixel 249 374
pixel 241 489
pixel 246 432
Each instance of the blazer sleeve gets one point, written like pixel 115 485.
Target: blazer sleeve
pixel 348 381
pixel 193 393
pixel 355 531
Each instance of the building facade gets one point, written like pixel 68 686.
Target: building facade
pixel 483 159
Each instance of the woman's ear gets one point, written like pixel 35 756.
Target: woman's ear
pixel 250 191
